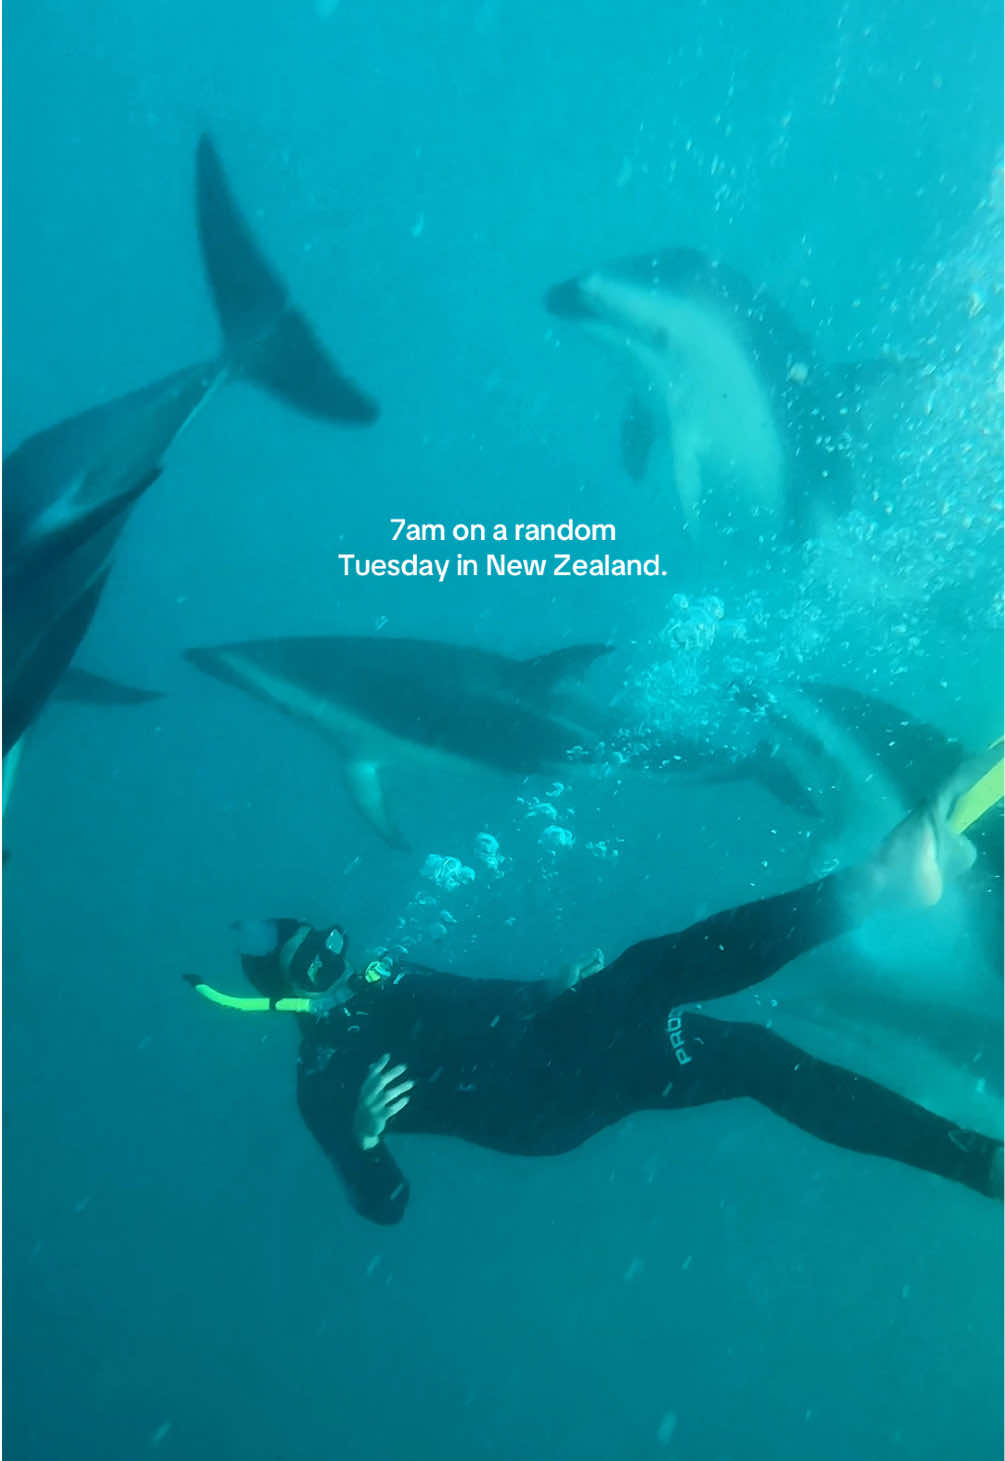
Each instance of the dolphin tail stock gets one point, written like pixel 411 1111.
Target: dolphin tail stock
pixel 266 339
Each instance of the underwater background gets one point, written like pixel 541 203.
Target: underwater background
pixel 183 1273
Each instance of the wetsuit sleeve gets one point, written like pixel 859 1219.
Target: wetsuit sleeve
pixel 373 1180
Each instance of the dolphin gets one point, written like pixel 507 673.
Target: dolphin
pixel 758 433
pixel 864 762
pixel 68 489
pixel 430 704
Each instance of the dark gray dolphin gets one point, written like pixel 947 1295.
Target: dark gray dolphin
pixel 68 489
pixel 757 431
pixel 433 706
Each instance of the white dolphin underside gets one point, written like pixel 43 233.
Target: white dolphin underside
pixel 702 384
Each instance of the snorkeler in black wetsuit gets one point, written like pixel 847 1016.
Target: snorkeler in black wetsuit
pixel 523 1067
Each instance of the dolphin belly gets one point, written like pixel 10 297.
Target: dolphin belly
pixel 757 433
pixel 728 455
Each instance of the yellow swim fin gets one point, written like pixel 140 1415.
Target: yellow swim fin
pixel 980 797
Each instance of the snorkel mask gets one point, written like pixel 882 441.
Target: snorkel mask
pixel 314 959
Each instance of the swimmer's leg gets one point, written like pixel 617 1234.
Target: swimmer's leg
pixel 721 1059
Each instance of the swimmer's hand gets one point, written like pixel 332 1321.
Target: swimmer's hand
pixel 382 1095
pixel 572 974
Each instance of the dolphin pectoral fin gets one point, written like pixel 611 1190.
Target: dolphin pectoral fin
pixel 688 478
pixel 641 428
pixel 267 340
pixel 60 540
pixel 28 686
pixel 545 671
pixel 87 688
pixel 769 768
pixel 362 779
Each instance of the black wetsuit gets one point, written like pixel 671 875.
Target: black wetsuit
pixel 499 1063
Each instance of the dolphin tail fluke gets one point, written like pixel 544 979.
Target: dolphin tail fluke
pixel 362 779
pixel 267 340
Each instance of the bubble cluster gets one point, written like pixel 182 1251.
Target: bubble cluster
pixel 447 873
pixel 487 852
pixel 555 838
pixel 694 625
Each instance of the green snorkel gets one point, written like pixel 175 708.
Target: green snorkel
pixel 315 1004
pixel 258 1004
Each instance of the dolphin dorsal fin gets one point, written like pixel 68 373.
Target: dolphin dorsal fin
pixel 545 671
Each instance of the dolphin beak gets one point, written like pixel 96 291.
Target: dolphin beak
pixel 203 659
pixel 569 301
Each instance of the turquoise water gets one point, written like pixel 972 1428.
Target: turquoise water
pixel 183 1274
